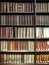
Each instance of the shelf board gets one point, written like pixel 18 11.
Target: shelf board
pixel 31 39
pixel 42 39
pixel 17 64
pixel 42 25
pixel 42 0
pixel 17 25
pixel 17 0
pixel 42 63
pixel 17 39
pixel 23 52
pixel 24 25
pixel 42 13
pixel 16 13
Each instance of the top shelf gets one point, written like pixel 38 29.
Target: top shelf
pixel 24 0
pixel 17 0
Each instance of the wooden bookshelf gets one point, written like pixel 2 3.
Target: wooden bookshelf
pixel 17 47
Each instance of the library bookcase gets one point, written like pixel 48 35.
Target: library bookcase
pixel 24 32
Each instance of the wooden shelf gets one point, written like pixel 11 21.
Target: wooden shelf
pixel 17 25
pixel 42 13
pixel 16 64
pixel 42 0
pixel 18 52
pixel 42 26
pixel 16 0
pixel 16 39
pixel 16 13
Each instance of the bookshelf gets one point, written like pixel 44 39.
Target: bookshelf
pixel 24 32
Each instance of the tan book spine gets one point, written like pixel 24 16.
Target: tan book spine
pixel 5 6
pixel 32 58
pixel 25 58
pixel 4 58
pixel 19 32
pixel 15 57
pixel 31 46
pixel 28 32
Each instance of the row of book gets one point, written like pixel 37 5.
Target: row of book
pixel 24 46
pixel 16 46
pixel 42 19
pixel 42 45
pixel 23 58
pixel 17 20
pixel 24 32
pixel 23 7
pixel 17 58
pixel 42 7
pixel 16 7
pixel 14 32
pixel 42 59
pixel 24 20
pixel 42 32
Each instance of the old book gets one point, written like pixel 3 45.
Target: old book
pixel 11 32
pixel 10 7
pixel 10 47
pixel 44 6
pixel 14 7
pixel 31 46
pixel 41 9
pixel 4 7
pixel 48 6
pixel 16 32
pixel 32 7
pixel 32 18
pixel 12 58
pixel 11 20
pixel 38 7
pixel 13 45
pixel 3 35
pixel 5 58
pixel 2 21
pixel 18 58
pixel 28 32
pixel 2 58
pixel 7 6
pixel 40 32
pixel 46 34
pixel 19 32
pixel 31 32
pixel 6 46
pixel 15 58
pixel 25 58
pixel 22 58
pixel 37 59
pixel 32 58
pixel 19 7
pixel 16 45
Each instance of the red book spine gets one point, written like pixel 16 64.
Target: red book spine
pixel 4 32
pixel 16 45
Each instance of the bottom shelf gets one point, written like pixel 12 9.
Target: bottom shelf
pixel 15 64
pixel 21 64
